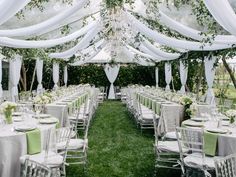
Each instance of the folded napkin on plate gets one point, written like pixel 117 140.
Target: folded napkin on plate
pixel 33 141
pixel 210 143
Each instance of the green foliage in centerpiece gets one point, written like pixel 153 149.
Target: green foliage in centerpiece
pixel 187 102
pixel 232 115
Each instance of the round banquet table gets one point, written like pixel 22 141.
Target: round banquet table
pixel 226 142
pixel 13 145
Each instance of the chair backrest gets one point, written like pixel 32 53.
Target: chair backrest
pixel 35 169
pixel 155 125
pixel 191 141
pixel 226 167
pixel 63 135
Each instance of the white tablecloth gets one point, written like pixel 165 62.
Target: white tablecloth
pixel 13 145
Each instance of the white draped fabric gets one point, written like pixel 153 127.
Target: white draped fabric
pixel 173 42
pixel 210 75
pixel 149 52
pixel 14 70
pixel 55 72
pixel 65 75
pixel 168 75
pixel 39 72
pixel 84 42
pixel 159 52
pixel 140 53
pixel 8 8
pixel 18 43
pixel 192 33
pixel 91 55
pixel 183 71
pixel 111 73
pixel 157 76
pixel 26 31
pixel 1 78
pixel 223 13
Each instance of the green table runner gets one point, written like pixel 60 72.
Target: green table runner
pixel 33 142
pixel 210 143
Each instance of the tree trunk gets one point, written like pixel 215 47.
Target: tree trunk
pixel 33 78
pixel 230 71
pixel 23 78
pixel 200 78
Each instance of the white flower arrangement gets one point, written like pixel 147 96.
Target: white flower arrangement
pixel 43 99
pixel 231 113
pixel 185 100
pixel 7 106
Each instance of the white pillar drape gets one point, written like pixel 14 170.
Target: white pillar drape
pixel 15 67
pixel 65 75
pixel 39 72
pixel 111 73
pixel 0 77
pixel 168 75
pixel 55 72
pixel 157 76
pixel 183 71
pixel 210 74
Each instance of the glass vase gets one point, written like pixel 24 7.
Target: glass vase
pixel 8 116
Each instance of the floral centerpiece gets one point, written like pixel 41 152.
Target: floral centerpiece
pixel 192 110
pixel 7 108
pixel 45 98
pixel 41 100
pixel 231 114
pixel 186 102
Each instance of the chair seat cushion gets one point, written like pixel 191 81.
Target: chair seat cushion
pixel 168 146
pixel 53 160
pixel 73 144
pixel 195 160
pixel 147 116
pixel 171 135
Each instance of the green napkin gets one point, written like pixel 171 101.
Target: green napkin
pixel 33 142
pixel 70 108
pixel 210 143
pixel 158 108
pixel 58 125
pixel 153 106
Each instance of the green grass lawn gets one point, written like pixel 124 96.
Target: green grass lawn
pixel 116 146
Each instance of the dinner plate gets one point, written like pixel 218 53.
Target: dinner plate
pixel 200 119
pixel 51 120
pixel 17 119
pixel 17 113
pixel 24 127
pixel 193 124
pixel 217 130
pixel 42 116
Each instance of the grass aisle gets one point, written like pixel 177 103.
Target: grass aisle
pixel 116 146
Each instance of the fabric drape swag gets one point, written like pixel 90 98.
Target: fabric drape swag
pixel 55 70
pixel 157 76
pixel 1 78
pixel 183 70
pixel 39 72
pixel 210 74
pixel 65 75
pixel 171 41
pixel 37 28
pixel 15 68
pixel 111 73
pixel 168 75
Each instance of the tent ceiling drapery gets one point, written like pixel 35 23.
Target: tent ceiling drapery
pixel 123 24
